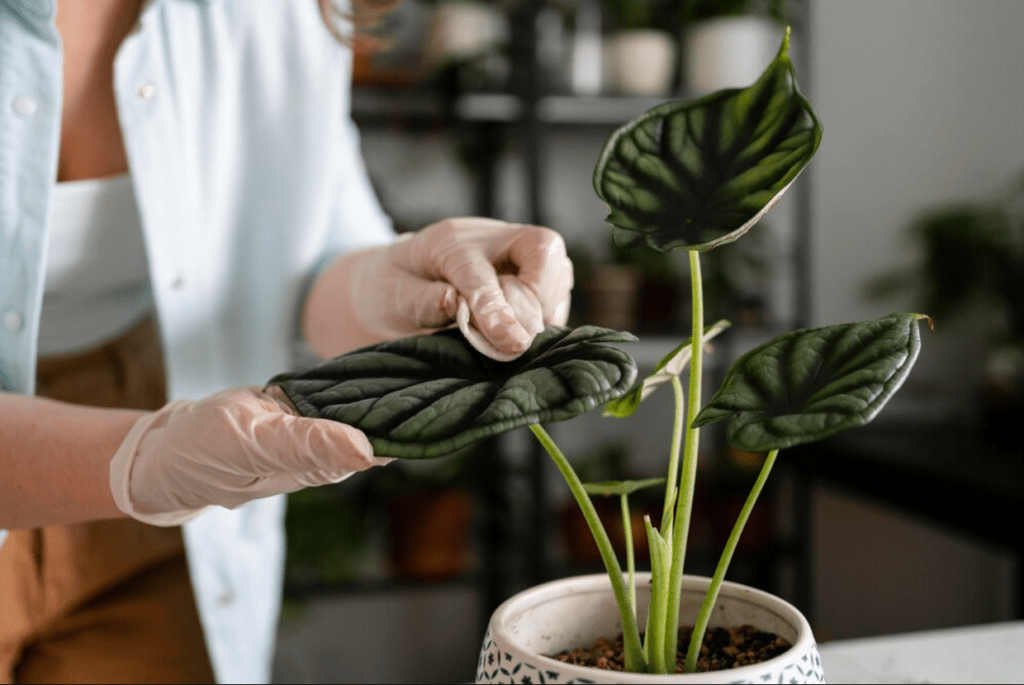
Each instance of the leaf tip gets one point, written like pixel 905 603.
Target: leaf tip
pixel 914 316
pixel 784 50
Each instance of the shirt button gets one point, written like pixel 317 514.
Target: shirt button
pixel 14 321
pixel 145 90
pixel 226 598
pixel 177 282
pixel 25 105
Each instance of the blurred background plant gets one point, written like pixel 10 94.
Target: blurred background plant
pixel 971 256
pixel 971 261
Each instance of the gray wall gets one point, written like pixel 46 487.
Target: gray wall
pixel 922 102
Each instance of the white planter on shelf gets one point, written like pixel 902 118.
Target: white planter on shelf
pixel 461 29
pixel 575 612
pixel 728 52
pixel 640 61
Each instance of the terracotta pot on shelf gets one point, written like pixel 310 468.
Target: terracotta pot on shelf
pixel 576 612
pixel 430 533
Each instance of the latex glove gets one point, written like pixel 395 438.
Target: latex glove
pixel 525 306
pixel 227 449
pixel 417 284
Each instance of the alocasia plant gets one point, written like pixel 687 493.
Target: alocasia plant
pixel 685 175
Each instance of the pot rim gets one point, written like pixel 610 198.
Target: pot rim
pixel 588 584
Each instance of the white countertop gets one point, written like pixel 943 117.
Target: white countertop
pixel 992 653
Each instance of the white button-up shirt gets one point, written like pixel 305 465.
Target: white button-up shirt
pixel 247 172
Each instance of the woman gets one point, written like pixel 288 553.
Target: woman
pixel 210 207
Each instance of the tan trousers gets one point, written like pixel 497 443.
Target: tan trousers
pixel 105 601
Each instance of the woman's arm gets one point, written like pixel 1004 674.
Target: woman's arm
pixel 55 461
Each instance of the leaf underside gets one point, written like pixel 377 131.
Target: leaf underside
pixel 697 174
pixel 610 488
pixel 430 395
pixel 673 364
pixel 811 384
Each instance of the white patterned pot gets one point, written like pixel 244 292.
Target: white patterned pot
pixel 575 612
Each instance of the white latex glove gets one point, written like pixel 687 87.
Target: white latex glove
pixel 227 449
pixel 512 278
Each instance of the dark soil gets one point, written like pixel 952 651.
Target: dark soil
pixel 722 649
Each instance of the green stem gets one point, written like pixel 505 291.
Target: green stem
pixel 656 619
pixel 684 505
pixel 634 654
pixel 627 531
pixel 673 461
pixel 723 565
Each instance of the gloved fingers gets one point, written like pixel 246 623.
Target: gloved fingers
pixel 475 279
pixel 422 303
pixel 471 252
pixel 541 263
pixel 524 302
pixel 305 447
pixel 496 319
pixel 227 449
pixel 276 395
pixel 527 310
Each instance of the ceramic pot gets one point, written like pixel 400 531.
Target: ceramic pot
pixel 430 534
pixel 641 62
pixel 729 52
pixel 575 612
pixel 463 29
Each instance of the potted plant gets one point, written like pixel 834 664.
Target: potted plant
pixel 972 259
pixel 727 43
pixel 692 175
pixel 640 52
pixel 465 44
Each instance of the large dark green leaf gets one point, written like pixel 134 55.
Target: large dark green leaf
pixel 811 384
pixel 429 395
pixel 697 174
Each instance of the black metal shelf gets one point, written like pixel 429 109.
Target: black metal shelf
pixel 377 585
pixel 377 106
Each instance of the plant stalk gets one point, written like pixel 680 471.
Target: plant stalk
pixel 673 461
pixel 684 505
pixel 634 654
pixel 627 531
pixel 723 564
pixel 660 563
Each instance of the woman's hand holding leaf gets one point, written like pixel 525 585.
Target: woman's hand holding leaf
pixel 509 280
pixel 228 449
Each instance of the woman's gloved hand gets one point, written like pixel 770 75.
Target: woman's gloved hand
pixel 512 278
pixel 227 449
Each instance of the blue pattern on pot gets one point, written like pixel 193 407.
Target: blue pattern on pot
pixel 559 615
pixel 495 666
